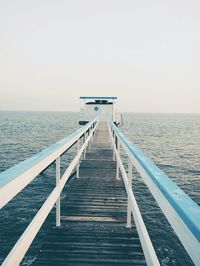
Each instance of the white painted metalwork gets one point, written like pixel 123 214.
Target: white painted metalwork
pixel 181 211
pixel 130 170
pixel 118 149
pixel 132 208
pixel 78 164
pixel 113 144
pixel 13 180
pixel 18 251
pixel 84 152
pixel 16 178
pixel 58 184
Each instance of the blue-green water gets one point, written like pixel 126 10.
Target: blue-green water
pixel 172 141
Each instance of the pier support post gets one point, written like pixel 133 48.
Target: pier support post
pixel 57 184
pixel 130 174
pixel 78 164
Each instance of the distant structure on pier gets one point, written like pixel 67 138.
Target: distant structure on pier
pixel 104 106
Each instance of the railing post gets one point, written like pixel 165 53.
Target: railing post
pixel 92 138
pixel 57 184
pixel 130 171
pixel 84 152
pixel 78 164
pixel 82 144
pixel 118 149
pixel 89 143
pixel 114 137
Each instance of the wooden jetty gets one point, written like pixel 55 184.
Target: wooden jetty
pixel 93 216
pixel 98 222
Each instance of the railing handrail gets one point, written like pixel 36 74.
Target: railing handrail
pixel 20 248
pixel 132 206
pixel 165 190
pixel 14 179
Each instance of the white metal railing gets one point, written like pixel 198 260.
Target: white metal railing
pixel 13 180
pixel 132 206
pixel 181 211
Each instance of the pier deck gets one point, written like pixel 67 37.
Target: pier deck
pixel 93 216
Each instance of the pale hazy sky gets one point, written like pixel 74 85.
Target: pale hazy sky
pixel 146 52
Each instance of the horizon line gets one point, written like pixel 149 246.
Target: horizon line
pixel 72 111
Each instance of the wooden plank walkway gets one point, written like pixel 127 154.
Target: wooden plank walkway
pixel 93 230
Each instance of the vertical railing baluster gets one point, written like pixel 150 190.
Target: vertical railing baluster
pixel 78 164
pixel 130 173
pixel 92 138
pixel 89 144
pixel 118 150
pixel 84 153
pixel 57 184
pixel 114 137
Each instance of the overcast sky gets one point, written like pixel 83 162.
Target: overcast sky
pixel 146 52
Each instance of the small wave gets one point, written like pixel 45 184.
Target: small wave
pixel 28 260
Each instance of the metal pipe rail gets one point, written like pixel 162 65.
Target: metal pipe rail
pixel 181 211
pixel 132 206
pixel 13 180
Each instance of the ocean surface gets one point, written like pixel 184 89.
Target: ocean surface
pixel 172 141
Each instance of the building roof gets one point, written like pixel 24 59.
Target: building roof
pixel 99 97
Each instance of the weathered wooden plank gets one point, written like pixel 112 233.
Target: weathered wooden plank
pixel 93 230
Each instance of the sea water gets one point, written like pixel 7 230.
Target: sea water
pixel 172 141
